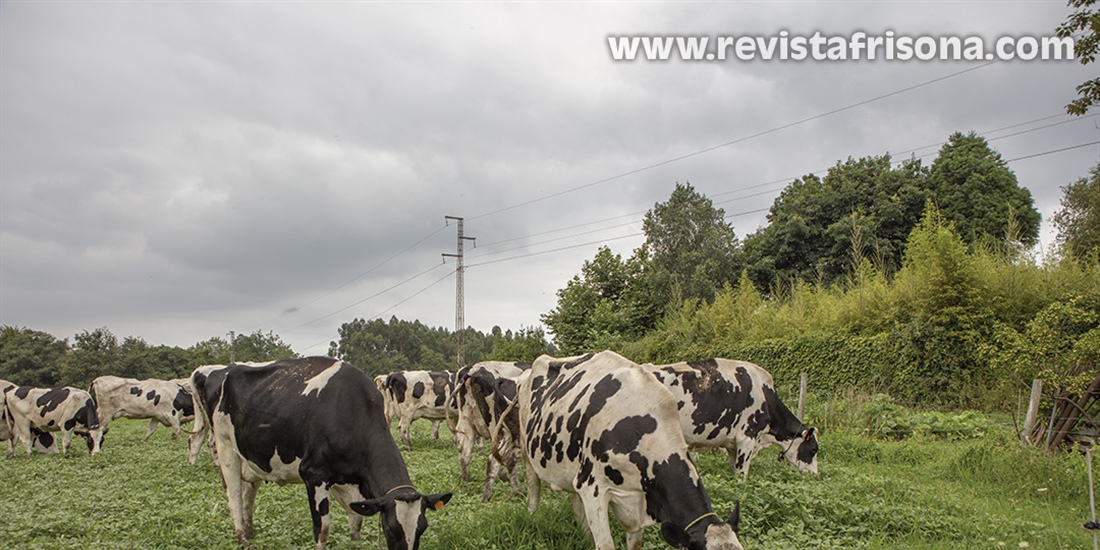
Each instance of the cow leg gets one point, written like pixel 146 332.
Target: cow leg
pixel 22 432
pixel 492 470
pixel 355 525
pixel 513 474
pixel 742 456
pixel 248 507
pixel 435 429
pixel 66 440
pixel 404 427
pixel 153 423
pixel 174 423
pixel 194 443
pixel 595 511
pixel 318 510
pixel 533 487
pixel 230 468
pixel 465 452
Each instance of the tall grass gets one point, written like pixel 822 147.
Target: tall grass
pixel 873 493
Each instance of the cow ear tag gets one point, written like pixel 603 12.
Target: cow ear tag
pixel 438 505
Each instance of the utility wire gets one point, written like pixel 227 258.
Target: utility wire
pixel 375 295
pixel 736 141
pixel 383 312
pixel 352 280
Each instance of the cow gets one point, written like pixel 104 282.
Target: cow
pixel 471 424
pixel 205 381
pixel 380 383
pixel 66 410
pixel 44 442
pixel 733 405
pixel 487 397
pixel 166 402
pixel 317 421
pixel 602 428
pixel 418 394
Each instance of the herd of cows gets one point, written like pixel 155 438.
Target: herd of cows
pixel 614 434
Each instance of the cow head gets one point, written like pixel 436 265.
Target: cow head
pixel 403 515
pixel 86 425
pixel 705 533
pixel 801 451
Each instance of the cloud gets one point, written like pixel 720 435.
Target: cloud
pixel 176 171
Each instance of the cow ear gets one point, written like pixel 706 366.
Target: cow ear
pixel 437 501
pixel 735 517
pixel 367 507
pixel 808 433
pixel 673 535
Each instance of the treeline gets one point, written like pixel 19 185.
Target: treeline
pixel 380 347
pixel 909 279
pixel 35 358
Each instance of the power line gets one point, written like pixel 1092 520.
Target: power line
pixel 1044 153
pixel 387 310
pixel 736 141
pixel 352 280
pixel 375 295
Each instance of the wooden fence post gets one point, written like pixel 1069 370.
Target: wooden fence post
pixel 802 394
pixel 1032 411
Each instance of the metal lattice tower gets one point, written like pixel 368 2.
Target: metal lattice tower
pixel 460 298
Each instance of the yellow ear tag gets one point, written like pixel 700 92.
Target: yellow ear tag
pixel 438 505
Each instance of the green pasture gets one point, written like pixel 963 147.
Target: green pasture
pixel 918 493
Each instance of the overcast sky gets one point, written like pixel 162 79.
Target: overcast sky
pixel 174 171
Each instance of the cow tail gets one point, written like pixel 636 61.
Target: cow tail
pixel 497 446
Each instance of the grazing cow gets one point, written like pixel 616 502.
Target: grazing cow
pixel 166 402
pixel 418 394
pixel 485 404
pixel 64 410
pixel 380 383
pixel 472 424
pixel 604 429
pixel 44 442
pixel 733 405
pixel 204 385
pixel 316 421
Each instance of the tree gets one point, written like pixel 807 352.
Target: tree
pixel 93 354
pixel 246 347
pixel 866 205
pixel 690 246
pixel 525 345
pixel 30 357
pixel 601 300
pixel 1088 21
pixel 975 189
pixel 1078 221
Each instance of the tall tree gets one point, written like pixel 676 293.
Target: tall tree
pixel 598 301
pixel 867 205
pixel 525 345
pixel 975 189
pixel 1078 221
pixel 93 354
pixel 30 357
pixel 1085 20
pixel 690 246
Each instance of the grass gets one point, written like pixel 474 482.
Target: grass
pixel 911 494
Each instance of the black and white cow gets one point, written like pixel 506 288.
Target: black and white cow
pixel 604 429
pixel 166 402
pixel 44 442
pixel 206 382
pixel 418 394
pixel 733 405
pixel 320 422
pixel 474 419
pixel 486 405
pixel 65 410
